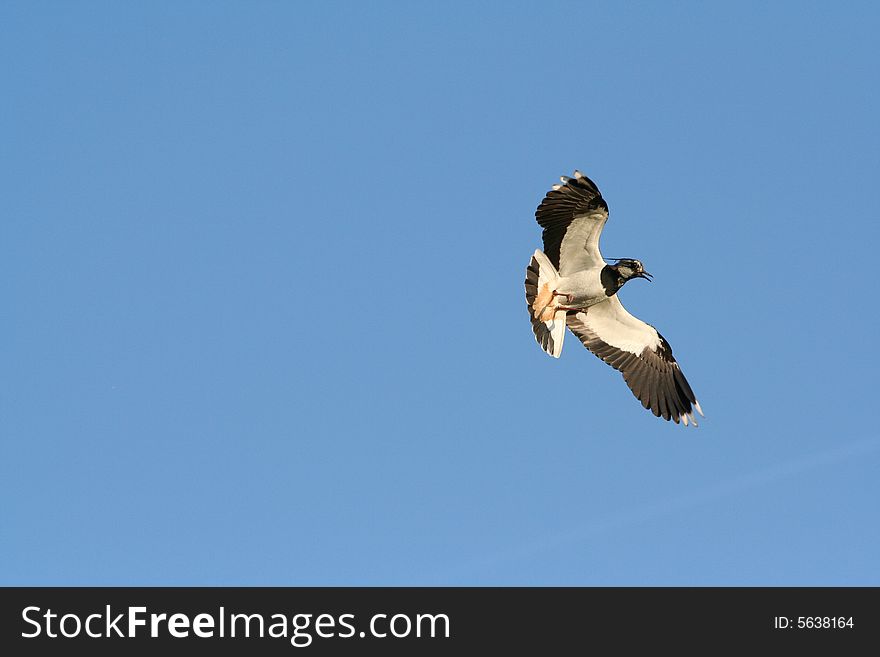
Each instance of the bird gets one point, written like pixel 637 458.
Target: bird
pixel 570 285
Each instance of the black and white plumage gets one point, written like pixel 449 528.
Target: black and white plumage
pixel 569 284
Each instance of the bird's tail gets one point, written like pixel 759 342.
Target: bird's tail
pixel 548 323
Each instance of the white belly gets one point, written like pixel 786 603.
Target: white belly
pixel 585 288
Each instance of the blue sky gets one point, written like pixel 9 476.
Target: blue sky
pixel 263 316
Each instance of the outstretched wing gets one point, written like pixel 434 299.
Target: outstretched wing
pixel 572 216
pixel 641 354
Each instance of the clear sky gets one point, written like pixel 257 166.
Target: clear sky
pixel 263 318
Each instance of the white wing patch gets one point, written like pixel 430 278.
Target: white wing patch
pixel 579 249
pixel 613 325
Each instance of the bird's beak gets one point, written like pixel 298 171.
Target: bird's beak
pixel 646 276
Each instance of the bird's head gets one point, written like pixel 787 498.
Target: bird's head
pixel 628 268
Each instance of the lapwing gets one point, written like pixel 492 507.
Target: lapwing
pixel 569 284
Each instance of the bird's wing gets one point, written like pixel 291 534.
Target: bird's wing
pixel 641 354
pixel 572 216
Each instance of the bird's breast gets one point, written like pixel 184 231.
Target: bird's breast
pixel 585 288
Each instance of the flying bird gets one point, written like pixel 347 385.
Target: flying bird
pixel 569 284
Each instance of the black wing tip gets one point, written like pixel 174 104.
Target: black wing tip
pixel 581 180
pixel 654 377
pixel 578 187
pixel 659 385
pixel 580 183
